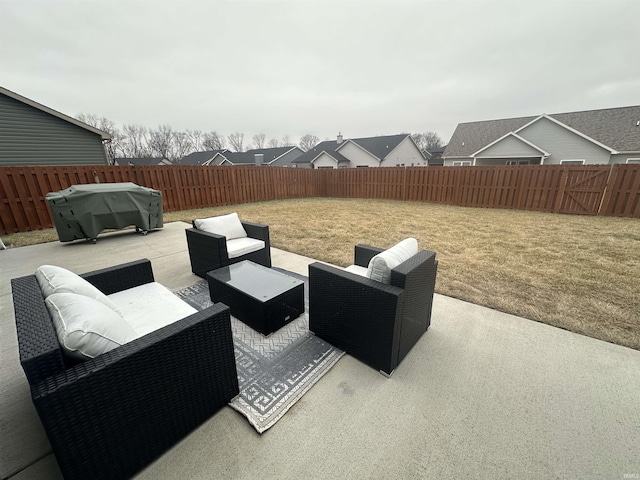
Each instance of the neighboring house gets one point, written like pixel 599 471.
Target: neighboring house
pixel 200 158
pixel 273 157
pixel 605 136
pixel 435 157
pixel 142 161
pixel 32 134
pixel 387 151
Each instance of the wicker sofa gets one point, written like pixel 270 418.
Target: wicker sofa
pixel 375 322
pixel 209 251
pixel 110 416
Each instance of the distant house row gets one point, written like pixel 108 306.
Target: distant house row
pixel 33 134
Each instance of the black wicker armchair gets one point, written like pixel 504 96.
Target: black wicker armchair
pixel 375 322
pixel 208 251
pixel 110 416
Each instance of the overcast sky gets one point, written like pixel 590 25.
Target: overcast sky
pixel 363 68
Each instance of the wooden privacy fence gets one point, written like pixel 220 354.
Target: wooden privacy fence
pixel 612 190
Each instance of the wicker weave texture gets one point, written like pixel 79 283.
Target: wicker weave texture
pixel 208 251
pixel 110 416
pixel 374 322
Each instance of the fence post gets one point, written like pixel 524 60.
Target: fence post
pixel 606 194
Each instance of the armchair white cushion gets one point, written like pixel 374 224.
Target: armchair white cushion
pixel 54 279
pixel 381 264
pixel 86 327
pixel 227 225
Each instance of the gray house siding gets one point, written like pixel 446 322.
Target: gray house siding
pixel 510 147
pixel 29 136
pixel 623 157
pixel 562 144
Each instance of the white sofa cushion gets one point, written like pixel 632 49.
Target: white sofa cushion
pixel 241 246
pixel 149 307
pixel 227 225
pixel 86 327
pixel 54 279
pixel 381 265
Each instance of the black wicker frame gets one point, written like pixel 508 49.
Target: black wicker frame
pixel 372 321
pixel 111 416
pixel 208 251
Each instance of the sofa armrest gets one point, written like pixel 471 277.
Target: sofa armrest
pixel 356 314
pixel 38 346
pixel 118 412
pixel 121 277
pixel 364 253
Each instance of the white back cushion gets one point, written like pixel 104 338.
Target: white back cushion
pixel 381 265
pixel 227 225
pixel 54 279
pixel 86 327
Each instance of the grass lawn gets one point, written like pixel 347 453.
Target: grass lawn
pixel 580 273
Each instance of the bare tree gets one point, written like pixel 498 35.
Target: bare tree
pixel 181 145
pixel 286 141
pixel 427 141
pixel 258 140
pixel 197 140
pixel 114 146
pixel 213 141
pixel 236 140
pixel 161 141
pixel 135 143
pixel 274 143
pixel 308 141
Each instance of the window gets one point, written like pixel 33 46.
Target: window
pixel 633 161
pixel 462 163
pixel 517 162
pixel 571 162
pixel 362 166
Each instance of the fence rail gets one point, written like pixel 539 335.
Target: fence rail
pixel 612 190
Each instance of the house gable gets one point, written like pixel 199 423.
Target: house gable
pixel 357 155
pixel 563 143
pixel 325 160
pixel 31 134
pixel 405 153
pixel 511 145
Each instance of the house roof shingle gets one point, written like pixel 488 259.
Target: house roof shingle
pixel 198 158
pixel 248 157
pixel 378 146
pixel 614 127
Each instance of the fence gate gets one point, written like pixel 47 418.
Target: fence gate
pixel 582 189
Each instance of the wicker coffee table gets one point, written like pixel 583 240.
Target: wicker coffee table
pixel 262 298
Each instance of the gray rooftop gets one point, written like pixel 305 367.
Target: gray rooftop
pixel 613 127
pixel 248 157
pixel 198 158
pixel 377 146
pixel 482 395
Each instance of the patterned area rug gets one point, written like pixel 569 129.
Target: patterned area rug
pixel 274 372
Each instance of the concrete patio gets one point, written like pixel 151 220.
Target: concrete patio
pixel 483 394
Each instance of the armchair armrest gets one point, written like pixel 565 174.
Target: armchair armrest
pixel 121 277
pixel 356 314
pixel 258 231
pixel 165 383
pixel 363 254
pixel 207 251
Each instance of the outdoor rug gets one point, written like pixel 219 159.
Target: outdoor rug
pixel 274 372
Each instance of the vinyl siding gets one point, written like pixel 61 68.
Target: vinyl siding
pixel 324 161
pixel 405 153
pixel 29 136
pixel 358 157
pixel 622 157
pixel 510 147
pixel 563 144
